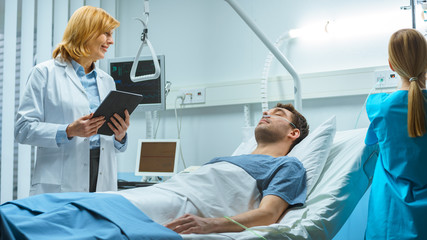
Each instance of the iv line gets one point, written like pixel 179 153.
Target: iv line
pixel 244 227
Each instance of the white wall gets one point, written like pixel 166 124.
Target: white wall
pixel 206 42
pixel 217 46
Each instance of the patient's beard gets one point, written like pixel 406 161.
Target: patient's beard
pixel 266 135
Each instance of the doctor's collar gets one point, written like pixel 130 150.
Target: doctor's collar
pixel 80 71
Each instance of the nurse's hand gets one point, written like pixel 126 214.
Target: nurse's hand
pixel 85 126
pixel 120 125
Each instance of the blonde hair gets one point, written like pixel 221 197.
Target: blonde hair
pixel 407 51
pixel 85 24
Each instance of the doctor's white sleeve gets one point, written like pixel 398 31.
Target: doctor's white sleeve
pixel 30 127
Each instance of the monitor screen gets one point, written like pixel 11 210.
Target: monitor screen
pixel 157 157
pixel 153 91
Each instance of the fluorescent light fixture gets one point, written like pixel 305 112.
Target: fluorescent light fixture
pixel 354 26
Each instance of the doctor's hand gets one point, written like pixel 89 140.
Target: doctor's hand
pixel 189 223
pixel 120 125
pixel 85 126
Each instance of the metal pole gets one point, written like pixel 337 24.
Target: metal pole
pixel 276 52
pixel 413 14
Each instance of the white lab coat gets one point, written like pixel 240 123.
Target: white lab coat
pixel 54 96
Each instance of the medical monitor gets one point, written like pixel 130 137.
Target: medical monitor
pixel 153 91
pixel 157 157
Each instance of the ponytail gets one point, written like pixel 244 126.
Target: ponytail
pixel 407 52
pixel 416 110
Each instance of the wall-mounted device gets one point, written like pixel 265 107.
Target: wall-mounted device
pixel 153 91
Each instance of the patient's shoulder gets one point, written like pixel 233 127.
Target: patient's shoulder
pixel 291 160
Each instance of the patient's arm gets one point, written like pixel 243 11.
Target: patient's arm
pixel 268 212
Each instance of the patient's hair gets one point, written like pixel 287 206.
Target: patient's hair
pixel 407 52
pixel 86 23
pixel 299 120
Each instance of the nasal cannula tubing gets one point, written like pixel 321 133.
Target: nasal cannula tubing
pixel 283 118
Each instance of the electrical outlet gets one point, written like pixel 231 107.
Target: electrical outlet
pixel 194 95
pixel 386 79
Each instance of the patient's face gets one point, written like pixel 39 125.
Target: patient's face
pixel 274 125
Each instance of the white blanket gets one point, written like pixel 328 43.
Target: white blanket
pixel 214 190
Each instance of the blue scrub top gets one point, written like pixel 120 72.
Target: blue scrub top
pixel 398 200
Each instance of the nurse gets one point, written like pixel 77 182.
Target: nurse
pixel 398 200
pixel 55 112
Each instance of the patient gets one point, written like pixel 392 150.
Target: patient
pixel 281 180
pixel 253 189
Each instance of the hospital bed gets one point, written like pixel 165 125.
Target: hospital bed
pixel 339 169
pixel 335 186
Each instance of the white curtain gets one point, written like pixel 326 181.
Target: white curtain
pixel 29 33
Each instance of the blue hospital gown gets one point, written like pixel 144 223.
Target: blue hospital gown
pixel 284 176
pixel 398 201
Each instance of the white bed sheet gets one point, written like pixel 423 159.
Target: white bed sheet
pixel 213 190
pixel 345 178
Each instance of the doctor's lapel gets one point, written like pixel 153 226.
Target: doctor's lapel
pixel 71 73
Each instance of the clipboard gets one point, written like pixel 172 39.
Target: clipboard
pixel 116 102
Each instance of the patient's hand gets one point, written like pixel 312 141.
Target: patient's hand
pixel 188 223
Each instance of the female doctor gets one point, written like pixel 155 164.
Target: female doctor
pixel 55 112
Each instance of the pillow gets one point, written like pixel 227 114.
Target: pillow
pixel 312 151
